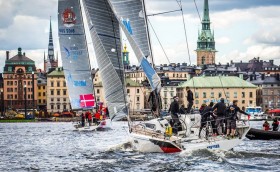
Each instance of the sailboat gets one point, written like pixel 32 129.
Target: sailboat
pixel 154 135
pixel 75 61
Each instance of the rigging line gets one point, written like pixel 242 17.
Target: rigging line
pixel 197 10
pixel 179 2
pixel 159 41
pixel 166 12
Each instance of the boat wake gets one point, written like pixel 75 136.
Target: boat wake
pixel 127 146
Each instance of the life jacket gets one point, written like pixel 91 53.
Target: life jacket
pixel 89 116
pixel 266 126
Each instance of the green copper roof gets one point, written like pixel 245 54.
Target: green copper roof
pixel 206 17
pixel 217 82
pixel 57 72
pixel 128 81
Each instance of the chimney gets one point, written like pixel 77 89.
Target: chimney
pixel 19 52
pixel 7 55
pixel 262 76
pixel 251 77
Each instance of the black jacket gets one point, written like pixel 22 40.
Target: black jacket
pixel 231 112
pixel 190 96
pixel 174 107
pixel 205 114
pixel 221 107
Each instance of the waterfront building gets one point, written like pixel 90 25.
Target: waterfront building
pixel 42 90
pixel 57 95
pixel 268 92
pixel 206 41
pixel 136 94
pixel 207 89
pixel 19 72
pixel 50 63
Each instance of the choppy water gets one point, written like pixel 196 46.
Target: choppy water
pixel 56 147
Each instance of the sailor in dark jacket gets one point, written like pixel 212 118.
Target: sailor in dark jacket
pixel 231 112
pixel 205 116
pixel 189 99
pixel 220 120
pixel 174 109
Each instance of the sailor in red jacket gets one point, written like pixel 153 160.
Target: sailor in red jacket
pixel 266 125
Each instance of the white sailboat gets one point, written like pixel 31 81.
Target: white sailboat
pixel 152 136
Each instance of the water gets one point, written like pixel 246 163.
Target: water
pixel 56 147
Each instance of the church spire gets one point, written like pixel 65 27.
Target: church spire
pixel 50 46
pixel 206 17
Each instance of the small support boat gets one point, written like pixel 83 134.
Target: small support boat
pixel 258 134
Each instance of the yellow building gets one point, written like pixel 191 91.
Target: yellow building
pixel 57 94
pixel 42 90
pixel 207 89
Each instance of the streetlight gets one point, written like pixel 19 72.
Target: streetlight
pixel 2 102
pixel 25 103
pixel 33 101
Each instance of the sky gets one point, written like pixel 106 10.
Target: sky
pixel 243 30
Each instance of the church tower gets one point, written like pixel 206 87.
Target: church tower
pixel 50 62
pixel 125 55
pixel 206 42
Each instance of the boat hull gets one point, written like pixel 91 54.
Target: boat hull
pixel 257 134
pixel 101 126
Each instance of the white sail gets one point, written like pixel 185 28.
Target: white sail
pixel 74 52
pixel 104 30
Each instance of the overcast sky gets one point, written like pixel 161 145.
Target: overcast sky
pixel 243 29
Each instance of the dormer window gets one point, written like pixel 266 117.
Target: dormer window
pixel 10 69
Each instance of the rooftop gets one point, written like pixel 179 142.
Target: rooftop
pixel 57 72
pixel 217 82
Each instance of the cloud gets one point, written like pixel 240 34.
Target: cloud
pixel 222 40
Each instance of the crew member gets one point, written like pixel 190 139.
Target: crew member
pixel 205 116
pixel 220 120
pixel 266 126
pixel 189 99
pixel 174 109
pixel 275 125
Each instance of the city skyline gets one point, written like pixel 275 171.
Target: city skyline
pixel 251 33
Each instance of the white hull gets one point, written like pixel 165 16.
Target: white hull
pixel 148 142
pixel 87 127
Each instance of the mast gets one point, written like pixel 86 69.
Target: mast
pixel 148 34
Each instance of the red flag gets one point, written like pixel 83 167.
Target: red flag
pixel 86 100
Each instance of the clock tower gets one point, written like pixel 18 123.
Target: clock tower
pixel 206 42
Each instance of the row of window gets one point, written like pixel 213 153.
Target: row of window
pixel 11 96
pixel 42 101
pixel 203 101
pixel 58 92
pixel 221 94
pixel 58 83
pixel 58 106
pixel 137 91
pixel 58 99
pixel 271 92
pixel 20 83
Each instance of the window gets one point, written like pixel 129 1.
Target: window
pixel 137 98
pixel 197 102
pixel 51 106
pixel 138 91
pixel 251 94
pixel 51 92
pixel 64 92
pixel 165 94
pixel 10 69
pixel 204 94
pixel 212 94
pixel 58 106
pixel 64 107
pixel 235 94
pixel 44 94
pixel 39 100
pixel 196 94
pixel 64 99
pixel 243 101
pixel 97 91
pixel 227 94
pixel 51 99
pixel 243 94
pixel 51 83
pixel 39 93
pixel 64 84
pixel 15 82
pixel 58 92
pixel 29 68
pixel 250 102
pixel 58 83
pixel 44 87
pixel 58 99
pixel 220 94
pixel 127 90
pixel 15 96
pixel 171 93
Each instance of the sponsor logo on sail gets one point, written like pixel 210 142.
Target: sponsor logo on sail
pixel 68 18
pixel 127 25
pixel 213 146
pixel 72 53
pixel 80 83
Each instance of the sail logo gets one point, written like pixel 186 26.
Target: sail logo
pixel 68 18
pixel 80 83
pixel 127 25
pixel 73 53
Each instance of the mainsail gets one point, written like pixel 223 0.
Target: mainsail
pixel 138 38
pixel 131 14
pixel 74 52
pixel 104 30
